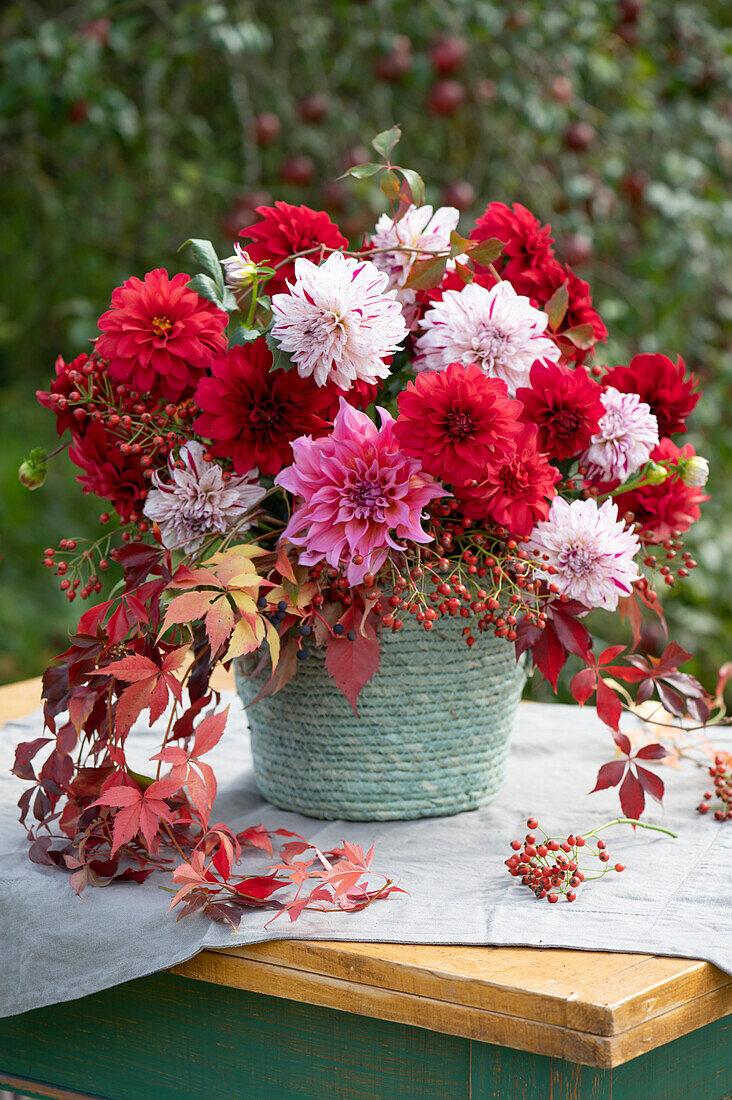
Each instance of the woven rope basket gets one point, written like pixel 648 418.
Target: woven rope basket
pixel 431 739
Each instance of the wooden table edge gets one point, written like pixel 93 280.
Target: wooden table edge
pixel 662 1001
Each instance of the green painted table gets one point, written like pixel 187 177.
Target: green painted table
pixel 308 1021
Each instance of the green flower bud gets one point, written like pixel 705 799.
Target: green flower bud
pixel 32 472
pixel 694 471
pixel 655 474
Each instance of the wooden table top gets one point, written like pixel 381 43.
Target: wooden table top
pixel 594 1008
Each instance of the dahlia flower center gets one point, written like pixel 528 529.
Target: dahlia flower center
pixel 458 425
pixel 366 498
pixel 161 326
pixel 614 424
pixel 565 422
pixel 265 415
pixel 489 344
pixel 578 559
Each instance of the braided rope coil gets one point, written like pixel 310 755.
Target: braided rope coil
pixel 431 739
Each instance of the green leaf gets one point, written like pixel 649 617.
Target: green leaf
pixel 280 359
pixel 362 171
pixel 228 300
pixel 206 287
pixel 427 274
pixel 556 307
pixel 487 251
pixel 387 140
pixel 459 245
pixel 390 185
pixel 582 336
pixel 205 254
pixel 243 335
pixel 415 183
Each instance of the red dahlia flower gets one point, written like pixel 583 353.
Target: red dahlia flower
pixel 564 405
pixel 284 230
pixel 663 385
pixel 253 413
pixel 670 506
pixel 516 495
pixel 528 242
pixel 108 473
pixel 159 337
pixel 457 422
pixel 540 284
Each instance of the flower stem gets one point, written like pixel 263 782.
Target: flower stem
pixel 632 821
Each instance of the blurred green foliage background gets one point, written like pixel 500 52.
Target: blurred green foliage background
pixel 128 126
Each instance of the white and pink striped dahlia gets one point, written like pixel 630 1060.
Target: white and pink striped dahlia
pixel 360 494
pixel 339 323
pixel 498 329
pixel 628 432
pixel 593 551
pixel 418 228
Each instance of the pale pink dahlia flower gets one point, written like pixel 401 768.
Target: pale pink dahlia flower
pixel 498 329
pixel 339 322
pixel 418 228
pixel 360 494
pixel 197 503
pixel 593 551
pixel 628 433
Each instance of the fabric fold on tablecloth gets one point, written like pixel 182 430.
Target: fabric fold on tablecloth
pixel 673 899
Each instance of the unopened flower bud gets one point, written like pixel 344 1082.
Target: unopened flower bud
pixel 655 474
pixel 694 471
pixel 32 472
pixel 240 271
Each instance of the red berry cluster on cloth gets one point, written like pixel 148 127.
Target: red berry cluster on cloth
pixel 550 867
pixel 721 773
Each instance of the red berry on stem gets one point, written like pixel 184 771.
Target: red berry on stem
pixel 267 128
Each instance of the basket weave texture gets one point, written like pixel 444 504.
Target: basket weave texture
pixel 431 739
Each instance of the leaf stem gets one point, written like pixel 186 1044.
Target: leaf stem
pixel 634 823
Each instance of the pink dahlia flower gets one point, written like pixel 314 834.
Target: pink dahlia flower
pixel 593 551
pixel 497 329
pixel 360 494
pixel 627 434
pixel 196 502
pixel 339 322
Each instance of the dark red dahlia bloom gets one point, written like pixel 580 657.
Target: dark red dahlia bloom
pixel 108 473
pixel 665 386
pixel 457 422
pixel 159 337
pixel 282 231
pixel 540 283
pixel 528 242
pixel 252 413
pixel 516 495
pixel 670 506
pixel 61 388
pixel 565 405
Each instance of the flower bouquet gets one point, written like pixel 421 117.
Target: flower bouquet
pixel 380 479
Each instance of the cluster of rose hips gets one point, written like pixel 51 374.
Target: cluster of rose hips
pixel 721 773
pixel 676 562
pixel 76 570
pixel 550 867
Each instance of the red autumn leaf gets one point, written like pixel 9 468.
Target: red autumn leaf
pixel 549 654
pixel 608 705
pixel 651 783
pixel 150 685
pixel 209 732
pixel 622 742
pixel 652 752
pixel 583 685
pixel 138 811
pixel 352 664
pixel 632 799
pixel 259 886
pixel 609 775
pixel 256 836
